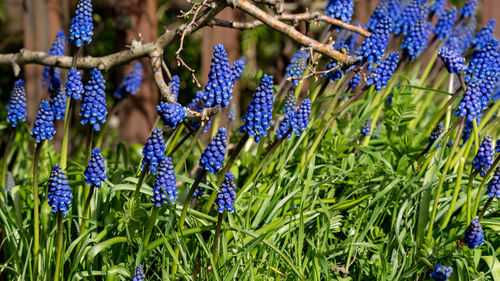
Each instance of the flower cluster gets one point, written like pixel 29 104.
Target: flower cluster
pixel 473 235
pixel 436 132
pixel 154 151
pixel 461 36
pixel 226 196
pixel 81 29
pixel 469 8
pixel 485 60
pixel 59 194
pixel 383 73
pixel 238 68
pixel 258 117
pixel 93 109
pixel 484 34
pixel 297 67
pixel 57 49
pixel 139 273
pixel 438 7
pixel 365 131
pixel 164 190
pixel 333 72
pixel 43 128
pixel 301 117
pixel 171 113
pixel 131 83
pixel 347 39
pixel 452 60
pixel 16 108
pixel 74 85
pixel 417 38
pixel 340 9
pixel 212 157
pixel 174 86
pixel 289 112
pixel 95 173
pixel 470 105
pixel 441 273
pixel 196 104
pixel 415 10
pixel 484 157
pixel 58 103
pixel 219 88
pixel 355 81
pixel 494 185
pixel 373 48
pixel 445 23
pixel 380 12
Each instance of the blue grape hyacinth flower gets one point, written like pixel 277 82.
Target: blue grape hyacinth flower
pixel 340 9
pixel 365 131
pixel 485 61
pixel 57 49
pixel 355 81
pixel 445 23
pixel 219 89
pixel 473 235
pixel 258 117
pixel 436 132
pixel 469 8
pixel 484 157
pixel 484 34
pixel 497 145
pixel 333 71
pixel 417 38
pixel 453 62
pixel 441 273
pixel 227 195
pixel 438 7
pixel 470 105
pixel 175 86
pixel 16 108
pixel 289 112
pixel 171 113
pixel 58 103
pixel 131 83
pixel 494 185
pixel 154 151
pixel 301 118
pixel 383 72
pixel 238 68
pixel 212 157
pixel 461 36
pixel 164 189
pixel 378 14
pixel 74 85
pixel 297 67
pixel 43 128
pixel 59 194
pixel 95 173
pixel 93 111
pixel 81 29
pixel 415 10
pixel 139 273
pixel 373 48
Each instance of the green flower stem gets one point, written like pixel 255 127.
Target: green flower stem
pixel 10 139
pixel 216 237
pixel 172 139
pixel 60 245
pixel 187 203
pixel 36 203
pixel 186 153
pixel 179 144
pixel 143 174
pixel 485 207
pixel 86 188
pixel 483 183
pixel 456 190
pixel 86 210
pixel 65 140
pixel 469 194
pixel 151 224
pixel 443 176
pixel 235 152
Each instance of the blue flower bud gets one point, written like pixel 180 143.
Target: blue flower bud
pixel 171 113
pixel 227 195
pixel 81 29
pixel 441 273
pixel 93 111
pixel 57 49
pixel 365 131
pixel 139 273
pixel 16 108
pixel 95 173
pixel 212 157
pixel 131 83
pixel 43 128
pixel 74 85
pixel 219 89
pixel 59 194
pixel 164 190
pixel 473 235
pixel 154 151
pixel 453 62
pixel 484 157
pixel 297 66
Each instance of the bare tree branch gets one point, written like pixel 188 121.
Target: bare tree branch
pixel 291 32
pixel 316 16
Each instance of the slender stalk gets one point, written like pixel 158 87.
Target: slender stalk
pixel 10 139
pixel 443 176
pixel 469 196
pixel 86 210
pixel 216 237
pixel 462 81
pixel 151 224
pixel 187 203
pixel 456 190
pixel 86 189
pixel 36 203
pixel 143 174
pixel 483 183
pixel 483 211
pixel 236 151
pixel 65 140
pixel 59 245
pixel 180 143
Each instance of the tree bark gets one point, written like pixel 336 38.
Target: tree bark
pixel 138 113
